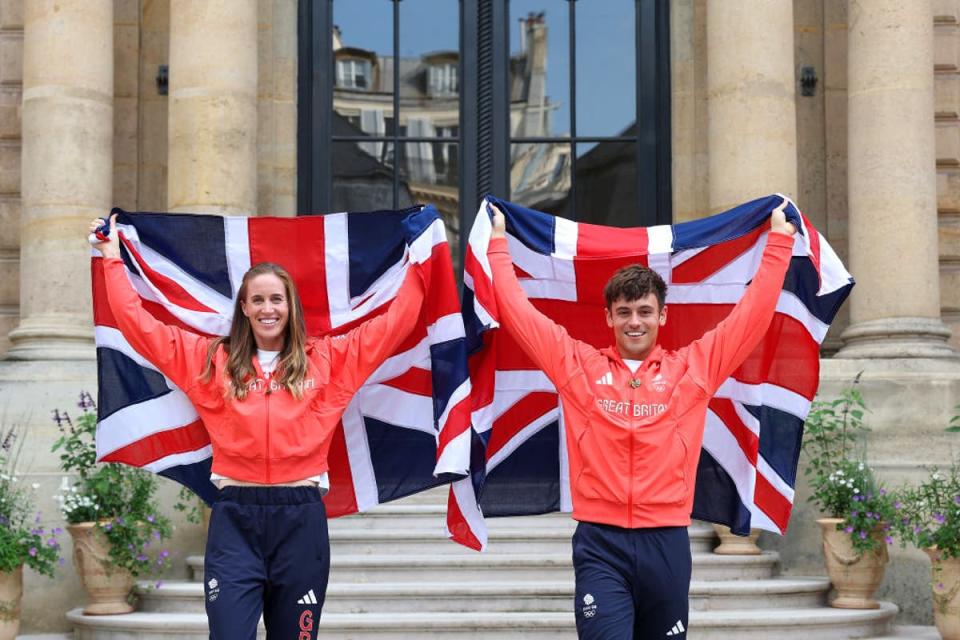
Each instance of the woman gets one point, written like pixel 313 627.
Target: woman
pixel 270 398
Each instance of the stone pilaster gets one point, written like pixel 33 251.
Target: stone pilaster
pixel 895 309
pixel 11 89
pixel 751 101
pixel 67 171
pixel 212 133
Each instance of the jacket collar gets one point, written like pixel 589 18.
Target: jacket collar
pixel 613 353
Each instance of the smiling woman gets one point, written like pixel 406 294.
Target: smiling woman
pixel 270 399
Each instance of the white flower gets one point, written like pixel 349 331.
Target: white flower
pixel 855 490
pixel 840 472
pixel 35 486
pixel 860 466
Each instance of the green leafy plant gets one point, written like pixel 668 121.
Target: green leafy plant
pixel 120 499
pixel 189 504
pixel 954 426
pixel 23 540
pixel 843 484
pixel 930 513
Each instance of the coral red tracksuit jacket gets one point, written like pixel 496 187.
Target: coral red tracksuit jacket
pixel 633 452
pixel 269 437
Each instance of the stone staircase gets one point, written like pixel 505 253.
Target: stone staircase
pixel 394 575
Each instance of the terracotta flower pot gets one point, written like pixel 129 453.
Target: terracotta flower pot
pixel 734 545
pixel 108 587
pixel 11 593
pixel 855 576
pixel 946 594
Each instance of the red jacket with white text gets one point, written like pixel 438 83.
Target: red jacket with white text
pixel 633 452
pixel 268 437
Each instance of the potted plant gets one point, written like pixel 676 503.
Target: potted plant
pixel 930 520
pixel 857 510
pixel 112 515
pixel 23 540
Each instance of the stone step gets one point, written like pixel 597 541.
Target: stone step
pixel 779 593
pixel 790 624
pixel 519 567
pixel 391 535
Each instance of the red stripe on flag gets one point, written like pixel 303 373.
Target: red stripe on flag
pixel 171 290
pixel 482 285
pixel 814 246
pixel 342 498
pixel 774 504
pixel 296 244
pixel 714 258
pixel 596 241
pixel 518 417
pixel 482 366
pixel 413 380
pixel 458 421
pixel 443 298
pixel 458 526
pixel 103 316
pixel 160 445
pixel 747 439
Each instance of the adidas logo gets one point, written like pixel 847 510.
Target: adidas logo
pixel 677 629
pixel 606 378
pixel 308 598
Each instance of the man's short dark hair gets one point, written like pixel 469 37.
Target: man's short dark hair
pixel 633 282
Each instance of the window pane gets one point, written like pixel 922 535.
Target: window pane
pixel 540 176
pixel 539 42
pixel 430 174
pixel 363 54
pixel 429 58
pixel 606 67
pixel 363 177
pixel 607 184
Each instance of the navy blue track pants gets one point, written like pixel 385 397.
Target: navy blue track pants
pixel 631 584
pixel 267 552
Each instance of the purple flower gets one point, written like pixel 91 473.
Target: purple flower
pixel 57 531
pixel 151 519
pixel 164 554
pixel 897 505
pixel 32 552
pixel 956 499
pixel 854 514
pixel 917 529
pixel 62 561
pixel 869 515
pixel 858 498
pixel 939 518
pixel 120 520
pixel 883 492
pixel 142 558
pixel 848 530
pixel 53 543
pixel 863 535
pixel 159 584
pixel 156 534
pixel 940 586
pixel 888 539
pixel 108 526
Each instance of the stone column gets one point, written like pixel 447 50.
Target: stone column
pixel 751 105
pixel 895 307
pixel 67 169
pixel 213 106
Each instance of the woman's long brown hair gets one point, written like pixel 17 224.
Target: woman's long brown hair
pixel 241 346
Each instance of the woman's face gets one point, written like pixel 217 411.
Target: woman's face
pixel 268 309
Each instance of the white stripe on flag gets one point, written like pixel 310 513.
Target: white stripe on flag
pixel 137 421
pixel 398 364
pixel 445 328
pixel 177 459
pixel 565 233
pixel 766 394
pixel 422 248
pixel 212 323
pixel 768 472
pixel 455 457
pixel 526 381
pixel 236 231
pixel 479 239
pixel 336 250
pixel 566 499
pixel 470 509
pixel 659 239
pixel 358 453
pixel 459 394
pixel 396 407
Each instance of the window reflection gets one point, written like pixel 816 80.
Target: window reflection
pixel 540 175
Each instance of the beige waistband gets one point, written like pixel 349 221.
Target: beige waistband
pixel 229 482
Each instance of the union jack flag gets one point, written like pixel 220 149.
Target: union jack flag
pixel 407 428
pixel 754 424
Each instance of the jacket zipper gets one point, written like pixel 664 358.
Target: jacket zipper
pixel 630 461
pixel 266 459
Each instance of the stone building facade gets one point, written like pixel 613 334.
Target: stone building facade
pixel 872 156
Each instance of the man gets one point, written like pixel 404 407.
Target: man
pixel 634 416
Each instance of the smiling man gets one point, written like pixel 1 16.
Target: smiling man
pixel 634 417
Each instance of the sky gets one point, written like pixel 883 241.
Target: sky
pixel 606 77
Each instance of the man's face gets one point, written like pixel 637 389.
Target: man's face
pixel 635 325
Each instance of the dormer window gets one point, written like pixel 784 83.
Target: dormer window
pixel 443 79
pixel 353 73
